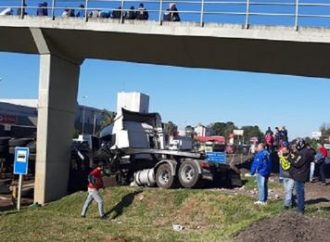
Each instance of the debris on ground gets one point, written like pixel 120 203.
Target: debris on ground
pixel 177 227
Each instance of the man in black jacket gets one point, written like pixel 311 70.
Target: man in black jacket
pixel 300 159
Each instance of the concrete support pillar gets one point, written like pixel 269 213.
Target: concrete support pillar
pixel 58 87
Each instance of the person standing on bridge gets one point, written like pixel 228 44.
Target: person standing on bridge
pixel 261 166
pixel 95 183
pixel 142 13
pixel 81 11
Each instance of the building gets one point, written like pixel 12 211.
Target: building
pixel 24 113
pixel 202 130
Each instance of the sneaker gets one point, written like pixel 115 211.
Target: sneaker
pixel 83 216
pixel 260 203
pixel 103 217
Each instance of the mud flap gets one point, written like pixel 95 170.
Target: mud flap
pixel 235 179
pixel 234 176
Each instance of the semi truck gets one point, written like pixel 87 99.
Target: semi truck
pixel 134 148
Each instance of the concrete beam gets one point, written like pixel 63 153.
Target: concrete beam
pixel 266 49
pixel 58 86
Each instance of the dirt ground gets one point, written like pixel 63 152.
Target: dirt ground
pixel 289 226
pixel 292 226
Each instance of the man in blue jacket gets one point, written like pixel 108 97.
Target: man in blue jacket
pixel 261 166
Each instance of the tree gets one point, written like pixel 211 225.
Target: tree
pixel 252 131
pixel 325 130
pixel 190 131
pixel 106 118
pixel 170 128
pixel 223 129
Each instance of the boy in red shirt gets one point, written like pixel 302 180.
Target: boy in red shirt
pixel 95 183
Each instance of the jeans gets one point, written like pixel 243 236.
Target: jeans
pixel 300 190
pixel 288 185
pixel 311 173
pixel 93 195
pixel 262 183
pixel 321 171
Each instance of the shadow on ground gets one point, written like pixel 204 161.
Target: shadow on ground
pixel 125 202
pixel 316 201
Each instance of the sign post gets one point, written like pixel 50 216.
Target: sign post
pixel 21 168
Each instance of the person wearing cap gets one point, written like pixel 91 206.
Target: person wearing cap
pixel 300 159
pixel 95 183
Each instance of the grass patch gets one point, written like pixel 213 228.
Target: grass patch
pixel 250 183
pixel 138 215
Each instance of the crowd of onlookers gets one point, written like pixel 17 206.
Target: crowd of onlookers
pixel 141 13
pixel 276 140
pixel 297 163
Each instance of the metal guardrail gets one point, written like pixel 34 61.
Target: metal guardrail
pixel 267 12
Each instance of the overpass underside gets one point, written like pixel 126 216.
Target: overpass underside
pixel 63 44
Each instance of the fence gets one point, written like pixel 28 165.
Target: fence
pixel 265 12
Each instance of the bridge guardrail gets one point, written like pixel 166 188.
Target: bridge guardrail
pixel 245 12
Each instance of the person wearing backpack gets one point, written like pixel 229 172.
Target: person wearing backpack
pixel 95 183
pixel 261 166
pixel 285 177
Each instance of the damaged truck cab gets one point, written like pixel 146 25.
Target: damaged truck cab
pixel 134 147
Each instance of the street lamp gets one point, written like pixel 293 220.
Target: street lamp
pixel 83 117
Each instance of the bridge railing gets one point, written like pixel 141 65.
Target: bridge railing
pixel 245 12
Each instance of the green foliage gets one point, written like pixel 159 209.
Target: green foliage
pixel 138 215
pixel 107 118
pixel 325 131
pixel 190 131
pixel 170 128
pixel 223 129
pixel 252 131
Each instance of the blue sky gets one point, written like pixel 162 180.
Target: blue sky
pixel 188 95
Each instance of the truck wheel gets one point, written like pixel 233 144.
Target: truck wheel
pixel 234 179
pixel 189 176
pixel 164 178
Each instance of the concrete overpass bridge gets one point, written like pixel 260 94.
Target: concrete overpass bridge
pixel 64 43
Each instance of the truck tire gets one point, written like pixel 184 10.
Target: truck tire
pixel 164 178
pixel 189 176
pixel 20 142
pixel 234 179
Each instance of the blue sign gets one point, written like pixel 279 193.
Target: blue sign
pixel 21 161
pixel 216 157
